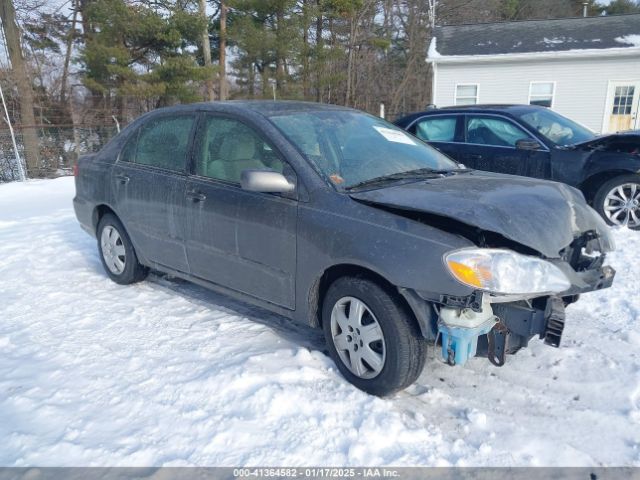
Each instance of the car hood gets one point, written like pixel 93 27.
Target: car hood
pixel 625 141
pixel 544 216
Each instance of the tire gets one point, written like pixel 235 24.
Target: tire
pixel 399 354
pixel 622 192
pixel 117 254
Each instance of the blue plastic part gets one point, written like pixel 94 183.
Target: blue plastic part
pixel 462 341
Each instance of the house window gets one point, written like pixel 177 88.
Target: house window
pixel 467 94
pixel 541 93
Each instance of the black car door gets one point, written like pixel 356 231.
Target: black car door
pixel 443 132
pixel 149 182
pixel 495 144
pixel 241 240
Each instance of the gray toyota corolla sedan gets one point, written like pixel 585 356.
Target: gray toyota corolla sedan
pixel 340 220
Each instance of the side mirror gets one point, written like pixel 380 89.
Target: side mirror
pixel 266 181
pixel 528 144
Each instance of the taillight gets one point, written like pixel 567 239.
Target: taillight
pixel 75 169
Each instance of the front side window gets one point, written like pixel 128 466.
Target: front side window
pixel 437 129
pixel 228 146
pixel 162 142
pixel 541 93
pixel 493 131
pixel 467 94
pixel 350 147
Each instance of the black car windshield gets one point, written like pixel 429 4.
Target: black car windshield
pixel 557 129
pixel 350 148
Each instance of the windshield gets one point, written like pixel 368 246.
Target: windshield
pixel 350 147
pixel 557 129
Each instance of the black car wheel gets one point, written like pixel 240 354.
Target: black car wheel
pixel 618 201
pixel 371 336
pixel 117 254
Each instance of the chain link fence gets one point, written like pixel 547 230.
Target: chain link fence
pixel 60 146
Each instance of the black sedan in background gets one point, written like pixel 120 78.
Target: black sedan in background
pixel 537 142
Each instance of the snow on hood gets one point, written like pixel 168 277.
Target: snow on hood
pixel 542 215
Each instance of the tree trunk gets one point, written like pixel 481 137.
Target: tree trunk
pixel 305 50
pixel 67 55
pixel 223 51
pixel 206 49
pixel 319 51
pixel 279 48
pixel 25 90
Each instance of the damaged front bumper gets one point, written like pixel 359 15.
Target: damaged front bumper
pixel 485 325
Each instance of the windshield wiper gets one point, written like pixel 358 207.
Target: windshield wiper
pixel 409 174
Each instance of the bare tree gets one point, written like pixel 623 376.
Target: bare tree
pixel 206 48
pixel 223 50
pixel 24 86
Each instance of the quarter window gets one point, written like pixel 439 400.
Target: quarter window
pixel 163 143
pixel 437 129
pixel 541 93
pixel 467 94
pixel 228 147
pixel 493 131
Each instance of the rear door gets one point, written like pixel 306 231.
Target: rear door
pixel 443 132
pixel 490 144
pixel 149 184
pixel 245 241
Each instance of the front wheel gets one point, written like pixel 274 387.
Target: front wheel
pixel 117 254
pixel 618 201
pixel 371 336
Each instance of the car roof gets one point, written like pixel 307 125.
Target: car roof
pixel 486 108
pixel 263 107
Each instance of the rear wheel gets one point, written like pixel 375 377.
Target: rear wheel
pixel 117 254
pixel 618 201
pixel 371 336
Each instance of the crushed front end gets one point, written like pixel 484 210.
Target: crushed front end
pixel 500 317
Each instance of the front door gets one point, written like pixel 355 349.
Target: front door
pixel 623 104
pixel 491 145
pixel 245 241
pixel 149 182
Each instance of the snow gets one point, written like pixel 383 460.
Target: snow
pixel 433 50
pixel 633 40
pixel 167 373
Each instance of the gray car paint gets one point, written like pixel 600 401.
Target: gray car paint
pixel 512 207
pixel 332 228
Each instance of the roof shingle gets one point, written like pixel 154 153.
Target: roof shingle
pixel 532 36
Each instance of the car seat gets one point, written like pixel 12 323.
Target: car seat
pixel 237 153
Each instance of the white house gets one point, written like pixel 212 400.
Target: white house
pixel 587 69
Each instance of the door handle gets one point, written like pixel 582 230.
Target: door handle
pixel 196 197
pixel 123 179
pixel 475 156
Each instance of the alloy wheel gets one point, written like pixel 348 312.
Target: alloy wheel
pixel 622 205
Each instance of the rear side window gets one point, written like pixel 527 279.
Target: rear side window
pixel 437 129
pixel 162 143
pixel 493 131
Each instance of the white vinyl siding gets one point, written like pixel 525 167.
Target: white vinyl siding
pixel 580 91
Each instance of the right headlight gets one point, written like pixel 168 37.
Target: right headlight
pixel 506 272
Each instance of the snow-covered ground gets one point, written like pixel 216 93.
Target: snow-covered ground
pixel 167 373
